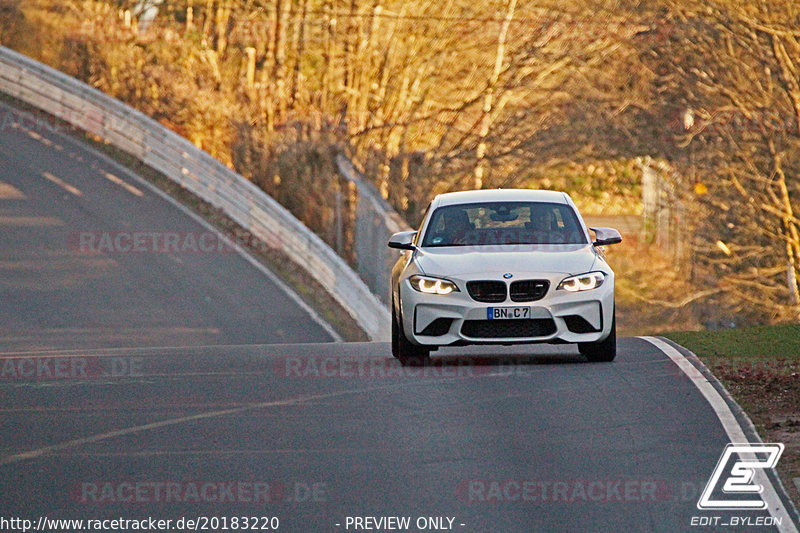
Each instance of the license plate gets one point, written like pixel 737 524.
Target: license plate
pixel 508 313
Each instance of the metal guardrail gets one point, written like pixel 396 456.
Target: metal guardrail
pixel 129 130
pixel 375 222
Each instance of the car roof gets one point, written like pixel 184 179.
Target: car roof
pixel 500 195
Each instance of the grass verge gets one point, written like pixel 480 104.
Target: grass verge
pixel 760 367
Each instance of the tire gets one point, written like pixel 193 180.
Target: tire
pixel 408 353
pixel 602 351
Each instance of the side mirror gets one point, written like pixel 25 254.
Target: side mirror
pixel 604 236
pixel 403 240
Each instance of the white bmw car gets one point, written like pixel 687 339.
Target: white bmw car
pixel 503 266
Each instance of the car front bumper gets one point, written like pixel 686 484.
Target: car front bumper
pixel 559 317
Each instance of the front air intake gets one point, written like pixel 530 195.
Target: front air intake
pixel 498 329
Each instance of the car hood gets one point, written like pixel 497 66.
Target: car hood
pixel 460 261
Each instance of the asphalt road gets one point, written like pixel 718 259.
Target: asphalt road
pixel 313 434
pixel 187 386
pixel 73 275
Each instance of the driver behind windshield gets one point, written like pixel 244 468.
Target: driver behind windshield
pixel 456 226
pixel 497 223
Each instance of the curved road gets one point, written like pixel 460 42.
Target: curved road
pixel 177 386
pixel 72 275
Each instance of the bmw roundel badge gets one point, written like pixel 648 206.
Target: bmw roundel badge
pixel 507 275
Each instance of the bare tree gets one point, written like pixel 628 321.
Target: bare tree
pixel 737 66
pixel 488 99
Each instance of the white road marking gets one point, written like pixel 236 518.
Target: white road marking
pixel 731 426
pixel 127 186
pixel 32 454
pixel 43 140
pixel 9 192
pixel 46 450
pixel 63 184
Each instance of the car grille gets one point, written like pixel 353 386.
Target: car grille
pixel 529 290
pixel 487 291
pixel 497 329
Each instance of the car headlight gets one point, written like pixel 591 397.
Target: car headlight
pixel 431 285
pixel 582 282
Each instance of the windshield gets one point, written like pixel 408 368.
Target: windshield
pixel 493 223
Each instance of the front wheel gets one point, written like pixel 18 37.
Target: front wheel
pixel 604 350
pixel 408 353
